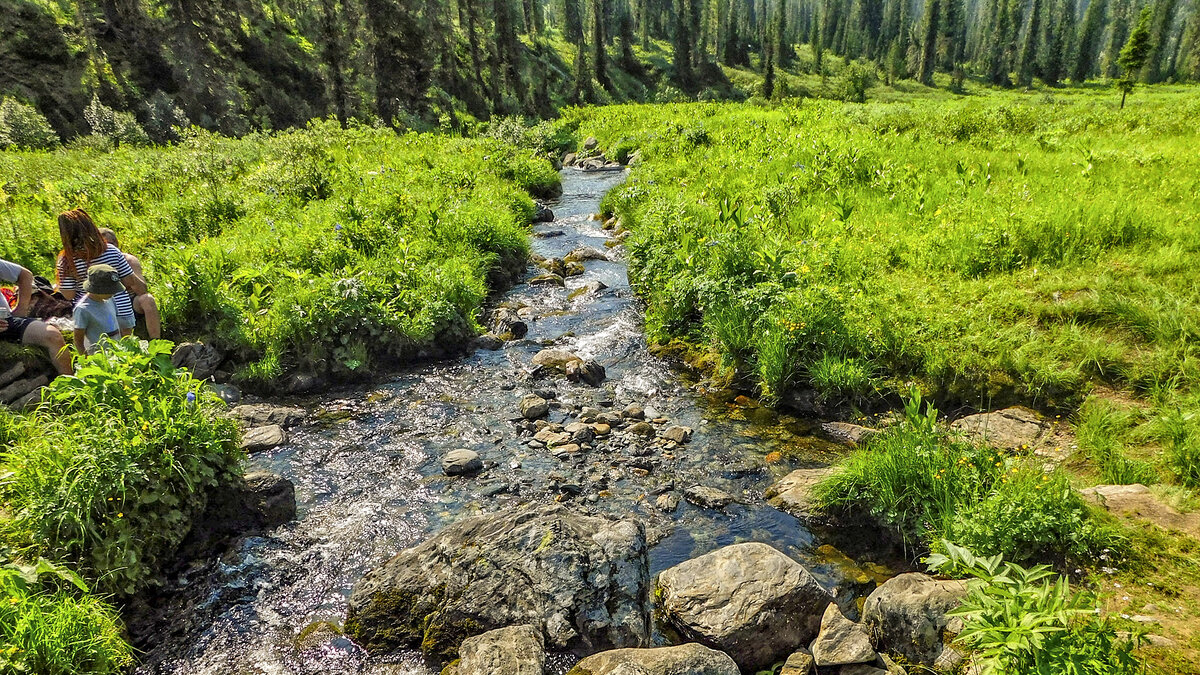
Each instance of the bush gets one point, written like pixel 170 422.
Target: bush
pixel 114 466
pixel 856 79
pixel 50 625
pixel 914 478
pixel 1024 621
pixel 119 127
pixel 164 119
pixel 23 127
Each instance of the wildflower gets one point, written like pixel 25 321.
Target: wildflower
pixel 120 514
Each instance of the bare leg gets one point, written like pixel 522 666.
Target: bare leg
pixel 147 306
pixel 42 334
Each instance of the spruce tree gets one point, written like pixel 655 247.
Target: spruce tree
pixel 1118 34
pixel 783 46
pixel 817 41
pixel 599 54
pixel 682 39
pixel 1028 61
pixel 768 86
pixel 929 43
pixel 1090 32
pixel 1160 35
pixel 1133 55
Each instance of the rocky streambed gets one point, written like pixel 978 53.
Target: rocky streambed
pixel 539 486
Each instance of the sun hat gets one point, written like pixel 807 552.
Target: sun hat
pixel 103 280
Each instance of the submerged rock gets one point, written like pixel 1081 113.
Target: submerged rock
pixel 262 414
pixel 585 253
pixel 907 616
pixel 515 650
pixel 708 497
pixel 579 580
pixel 748 600
pixel 689 659
pixel 547 279
pixel 846 433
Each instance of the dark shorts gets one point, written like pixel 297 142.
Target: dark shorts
pixel 17 325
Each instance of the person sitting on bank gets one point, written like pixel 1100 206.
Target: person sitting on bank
pixel 16 326
pixel 143 303
pixel 83 247
pixel 96 314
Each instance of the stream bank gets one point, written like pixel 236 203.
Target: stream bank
pixel 367 470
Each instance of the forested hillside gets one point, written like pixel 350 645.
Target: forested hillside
pixel 244 65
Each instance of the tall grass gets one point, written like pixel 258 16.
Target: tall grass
pixel 928 487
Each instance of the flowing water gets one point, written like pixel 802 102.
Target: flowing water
pixel 368 478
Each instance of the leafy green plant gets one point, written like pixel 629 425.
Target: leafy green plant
pixel 114 465
pixel 1028 621
pixel 50 625
pixel 23 127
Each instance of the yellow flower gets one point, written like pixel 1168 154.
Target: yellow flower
pixel 120 515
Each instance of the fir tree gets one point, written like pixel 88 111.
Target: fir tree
pixel 1028 61
pixel 1089 40
pixel 599 54
pixel 929 43
pixel 1133 55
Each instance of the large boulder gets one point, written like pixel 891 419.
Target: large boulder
pixel 516 650
pixel 1010 429
pixel 556 359
pixel 579 580
pixel 841 641
pixel 689 659
pixel 747 600
pixel 588 372
pixel 907 616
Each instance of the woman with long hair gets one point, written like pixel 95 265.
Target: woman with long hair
pixel 83 247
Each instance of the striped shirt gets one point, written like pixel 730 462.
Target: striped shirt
pixel 111 256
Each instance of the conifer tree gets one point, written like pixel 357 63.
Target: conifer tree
pixel 929 43
pixel 682 39
pixel 1028 61
pixel 1133 55
pixel 1118 34
pixel 599 54
pixel 783 46
pixel 1160 35
pixel 1090 32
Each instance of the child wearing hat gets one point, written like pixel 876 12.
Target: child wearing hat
pixel 95 315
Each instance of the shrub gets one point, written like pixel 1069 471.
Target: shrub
pixel 928 487
pixel 23 127
pixel 164 119
pixel 115 464
pixel 1023 621
pixel 50 625
pixel 856 79
pixel 119 127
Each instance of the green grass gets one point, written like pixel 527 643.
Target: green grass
pixel 323 249
pixel 928 487
pixel 996 248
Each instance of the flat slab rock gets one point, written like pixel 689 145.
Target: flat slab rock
pixel 793 493
pixel 747 600
pixel 847 433
pixel 263 414
pixel 689 659
pixel 579 580
pixel 263 438
pixel 1136 501
pixel 1009 429
pixel 516 650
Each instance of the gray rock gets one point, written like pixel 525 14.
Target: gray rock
pixel 667 502
pixel 677 433
pixel 793 492
pixel 861 669
pixel 534 407
pixel 585 253
pixel 543 214
pixel 689 659
pixel 302 383
pixel 228 393
pixel 643 429
pixel 588 372
pixel 590 143
pixel 556 359
pixel 569 159
pixel 580 580
pixel 849 434
pixel 203 360
pixel 515 650
pixel 21 388
pixel 841 641
pixel 263 438
pixel 907 616
pixel 748 600
pixel 261 415
pixel 1009 429
pixel 708 497
pixel 269 498
pixel 489 342
pixel 507 325
pixel 799 663
pixel 461 462
pixel 10 375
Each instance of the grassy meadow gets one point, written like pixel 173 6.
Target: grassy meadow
pixel 320 249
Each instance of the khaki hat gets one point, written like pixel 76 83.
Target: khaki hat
pixel 103 280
